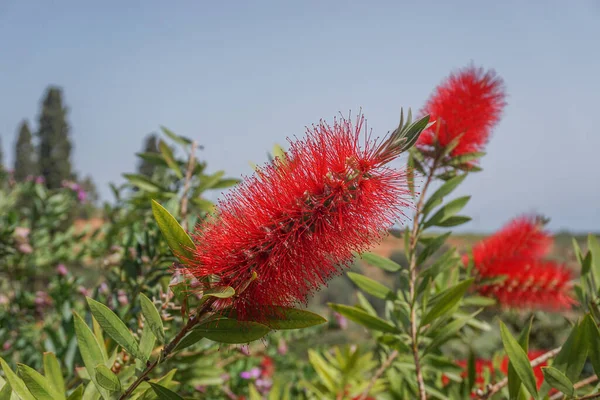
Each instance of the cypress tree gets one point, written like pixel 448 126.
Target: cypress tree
pixel 55 146
pixel 146 167
pixel 24 154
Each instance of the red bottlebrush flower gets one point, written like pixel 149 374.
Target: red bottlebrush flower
pixel 530 284
pixel 297 221
pixel 483 365
pixel 515 252
pixel 467 103
pixel 267 367
pixel 524 237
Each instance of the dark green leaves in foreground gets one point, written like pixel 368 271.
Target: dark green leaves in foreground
pixel 178 240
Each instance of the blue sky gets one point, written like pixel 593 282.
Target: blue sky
pixel 242 76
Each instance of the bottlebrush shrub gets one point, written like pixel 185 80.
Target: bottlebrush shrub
pixel 510 268
pixel 465 107
pixel 297 221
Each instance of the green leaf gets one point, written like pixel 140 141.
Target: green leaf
pixel 518 358
pixel 107 379
pixel 226 183
pixel 53 372
pixel 448 211
pixel 93 392
pixel 286 318
pixel 90 350
pixel 454 221
pixel 152 317
pixel 253 393
pixel 558 380
pixel 221 292
pixel 594 250
pixel 147 341
pixel 38 385
pixel 163 393
pixel 203 204
pixel 178 240
pixel 571 358
pixel 6 392
pixel 449 331
pixel 371 286
pixel 363 318
pixel 153 158
pixel 444 302
pixel 594 343
pixel 514 382
pixel 209 181
pixel 394 342
pixel 169 158
pixel 191 338
pixel 431 247
pixel 232 331
pixel 465 158
pixel 176 138
pixel 16 384
pixel 144 183
pixel 377 261
pixel 438 196
pixel 115 328
pixel 77 394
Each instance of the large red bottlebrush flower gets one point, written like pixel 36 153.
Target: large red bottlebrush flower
pixel 297 221
pixel 468 103
pixel 516 253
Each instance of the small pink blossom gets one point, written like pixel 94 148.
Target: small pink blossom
pixel 62 270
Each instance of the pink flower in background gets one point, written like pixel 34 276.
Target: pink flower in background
pixel 62 270
pixel 341 320
pixel 122 298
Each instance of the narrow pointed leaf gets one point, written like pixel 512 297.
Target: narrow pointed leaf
pixel 518 358
pixel 6 392
pixel 163 393
pixel 39 385
pixel 363 318
pixel 438 196
pixel 448 211
pixel 90 350
pixel 17 385
pixel 594 343
pixel 232 331
pixel 114 327
pixel 558 380
pixel 152 317
pixel 445 301
pixel 176 138
pixel 178 240
pixel 77 394
pixel 514 382
pixel 107 379
pixel 170 159
pixel 222 292
pixel 381 262
pixel 53 372
pixel 144 183
pixel 371 286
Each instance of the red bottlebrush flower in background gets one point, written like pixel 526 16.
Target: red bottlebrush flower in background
pixel 468 103
pixel 483 365
pixel 524 238
pixel 516 253
pixel 530 284
pixel 297 221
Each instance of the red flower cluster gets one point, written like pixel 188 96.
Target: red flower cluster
pixel 297 221
pixel 516 252
pixel 482 365
pixel 467 103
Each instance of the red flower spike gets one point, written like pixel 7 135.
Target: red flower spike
pixel 297 221
pixel 524 237
pixel 482 365
pixel 515 253
pixel 468 103
pixel 530 284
